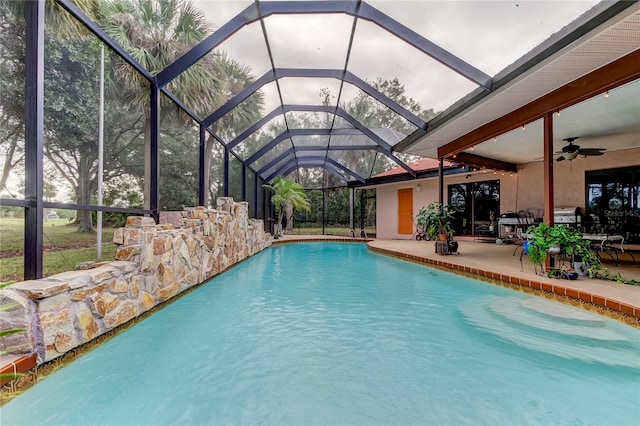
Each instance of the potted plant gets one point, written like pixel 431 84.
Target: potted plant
pixel 435 219
pixel 544 239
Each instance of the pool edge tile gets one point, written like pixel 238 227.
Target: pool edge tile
pixel 18 366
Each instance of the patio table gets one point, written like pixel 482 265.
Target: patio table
pixel 606 245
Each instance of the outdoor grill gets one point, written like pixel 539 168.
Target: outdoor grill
pixel 567 215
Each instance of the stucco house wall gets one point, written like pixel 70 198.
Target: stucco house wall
pixel 517 190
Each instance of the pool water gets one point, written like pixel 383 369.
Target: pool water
pixel 332 334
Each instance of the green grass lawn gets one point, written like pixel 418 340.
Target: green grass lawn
pixel 64 247
pixel 58 233
pixel 11 268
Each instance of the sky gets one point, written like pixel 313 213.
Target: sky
pixel 490 35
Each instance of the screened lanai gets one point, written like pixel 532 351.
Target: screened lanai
pixel 143 107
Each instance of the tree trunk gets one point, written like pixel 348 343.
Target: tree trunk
pixel 9 164
pixel 289 212
pixel 277 231
pixel 83 195
pixel 208 153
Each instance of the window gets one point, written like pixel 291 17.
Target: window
pixel 476 206
pixel 613 202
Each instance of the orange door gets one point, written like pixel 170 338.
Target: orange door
pixel 405 211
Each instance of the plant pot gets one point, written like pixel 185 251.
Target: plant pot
pixel 442 237
pixel 580 268
pixel 453 246
pixel 554 249
pixel 442 247
pixel 526 245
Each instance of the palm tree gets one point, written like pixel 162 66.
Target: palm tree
pixel 234 77
pixel 287 194
pixel 156 33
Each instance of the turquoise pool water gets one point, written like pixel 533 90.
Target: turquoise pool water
pixel 331 334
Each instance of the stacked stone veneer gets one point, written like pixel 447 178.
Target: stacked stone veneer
pixel 153 264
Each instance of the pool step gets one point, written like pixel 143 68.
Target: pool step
pixel 558 321
pixel 552 328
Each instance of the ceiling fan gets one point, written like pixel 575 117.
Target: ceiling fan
pixel 571 151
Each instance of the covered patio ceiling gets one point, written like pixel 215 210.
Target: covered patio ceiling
pixel 323 73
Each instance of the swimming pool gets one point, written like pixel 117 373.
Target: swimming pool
pixel 330 333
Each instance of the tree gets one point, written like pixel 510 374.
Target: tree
pixel 234 77
pixel 71 121
pixel 12 70
pixel 287 193
pixel 156 33
pixel 376 115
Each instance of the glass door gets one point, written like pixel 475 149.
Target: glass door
pixel 461 204
pixel 476 207
pixel 613 203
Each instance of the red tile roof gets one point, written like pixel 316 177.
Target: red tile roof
pixel 418 165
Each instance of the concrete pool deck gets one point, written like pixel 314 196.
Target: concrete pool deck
pixel 497 262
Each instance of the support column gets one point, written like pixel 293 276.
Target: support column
pixel 203 184
pixel 548 169
pixel 226 171
pixel 34 138
pixel 548 176
pixel 351 207
pixel 244 182
pixel 441 181
pixel 362 191
pixel 256 183
pixel 154 150
pixel 323 210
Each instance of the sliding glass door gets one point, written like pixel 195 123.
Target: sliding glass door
pixel 613 202
pixel 476 206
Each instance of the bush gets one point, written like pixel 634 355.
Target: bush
pixel 111 219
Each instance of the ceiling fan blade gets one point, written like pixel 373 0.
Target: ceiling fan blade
pixel 570 148
pixel 592 151
pixel 560 158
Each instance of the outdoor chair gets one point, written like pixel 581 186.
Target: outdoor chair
pixel 525 251
pixel 536 214
pixel 525 219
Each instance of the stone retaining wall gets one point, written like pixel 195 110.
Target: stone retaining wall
pixel 153 264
